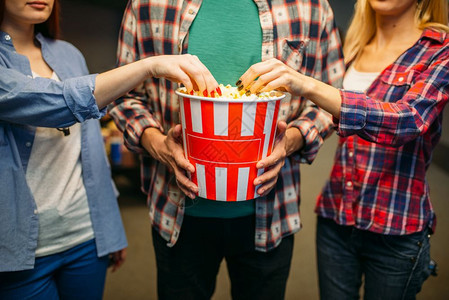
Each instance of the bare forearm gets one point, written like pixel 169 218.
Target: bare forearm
pixel 295 140
pixel 273 74
pixel 114 83
pixel 325 96
pixel 151 138
pixel 185 69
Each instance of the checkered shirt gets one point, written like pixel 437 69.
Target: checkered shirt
pixel 378 182
pixel 300 33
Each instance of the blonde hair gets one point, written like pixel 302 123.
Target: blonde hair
pixel 429 13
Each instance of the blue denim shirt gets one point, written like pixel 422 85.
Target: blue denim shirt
pixel 26 103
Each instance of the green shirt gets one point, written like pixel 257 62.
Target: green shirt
pixel 227 38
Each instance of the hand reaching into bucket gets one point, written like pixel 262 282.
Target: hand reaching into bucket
pixel 288 140
pixel 168 150
pixel 186 69
pixel 273 74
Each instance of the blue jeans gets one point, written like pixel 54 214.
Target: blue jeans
pixel 394 267
pixel 76 273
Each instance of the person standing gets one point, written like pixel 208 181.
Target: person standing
pixel 192 235
pixel 60 224
pixel 375 216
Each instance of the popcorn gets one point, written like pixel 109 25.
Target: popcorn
pixel 232 92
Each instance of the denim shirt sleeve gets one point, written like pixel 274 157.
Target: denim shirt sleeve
pixel 45 102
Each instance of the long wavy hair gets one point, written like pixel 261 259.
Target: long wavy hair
pixel 429 13
pixel 49 28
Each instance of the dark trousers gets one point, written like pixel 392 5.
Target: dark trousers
pixel 188 270
pixel 393 267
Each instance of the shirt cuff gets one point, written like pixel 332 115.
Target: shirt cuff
pixel 352 114
pixel 312 140
pixel 79 95
pixel 135 129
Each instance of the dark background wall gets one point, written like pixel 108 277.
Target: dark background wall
pixel 343 11
pixel 93 27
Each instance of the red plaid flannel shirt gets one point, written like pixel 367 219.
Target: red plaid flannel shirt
pixel 300 33
pixel 378 182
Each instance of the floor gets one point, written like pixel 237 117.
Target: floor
pixel 137 278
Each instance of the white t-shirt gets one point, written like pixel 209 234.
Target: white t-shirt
pixel 358 81
pixel 54 175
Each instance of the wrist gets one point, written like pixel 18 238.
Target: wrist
pixel 295 140
pixel 309 87
pixel 152 136
pixel 150 65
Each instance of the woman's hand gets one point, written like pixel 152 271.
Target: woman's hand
pixel 273 74
pixel 168 150
pixel 186 69
pixel 117 259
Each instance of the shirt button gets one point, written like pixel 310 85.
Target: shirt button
pixel 349 184
pixel 191 11
pixel 7 37
pixel 28 144
pixel 401 79
pixel 351 154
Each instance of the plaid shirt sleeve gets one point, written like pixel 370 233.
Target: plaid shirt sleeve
pixel 131 113
pixel 314 123
pixel 400 122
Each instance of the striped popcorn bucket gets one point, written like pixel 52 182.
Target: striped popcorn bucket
pixel 224 139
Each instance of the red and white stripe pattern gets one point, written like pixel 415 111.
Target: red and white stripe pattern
pixel 224 140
